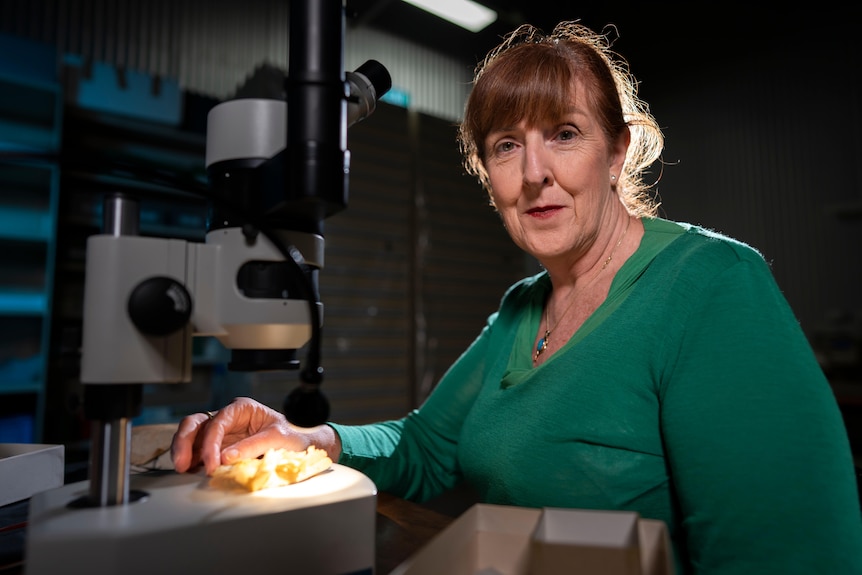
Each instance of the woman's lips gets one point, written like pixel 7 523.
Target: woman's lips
pixel 543 211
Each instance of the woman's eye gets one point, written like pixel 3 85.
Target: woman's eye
pixel 504 147
pixel 567 135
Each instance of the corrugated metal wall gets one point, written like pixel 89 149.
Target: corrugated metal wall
pixel 767 150
pixel 211 46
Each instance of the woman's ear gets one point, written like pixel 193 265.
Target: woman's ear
pixel 618 151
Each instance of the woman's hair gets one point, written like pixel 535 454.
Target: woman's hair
pixel 530 76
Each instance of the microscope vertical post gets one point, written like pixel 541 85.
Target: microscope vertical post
pixel 111 408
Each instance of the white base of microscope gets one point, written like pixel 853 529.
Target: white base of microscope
pixel 322 526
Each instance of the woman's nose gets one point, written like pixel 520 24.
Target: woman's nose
pixel 537 168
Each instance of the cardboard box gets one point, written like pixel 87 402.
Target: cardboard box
pixel 29 468
pixel 503 540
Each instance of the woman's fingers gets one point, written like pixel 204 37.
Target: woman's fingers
pixel 211 436
pixel 242 429
pixel 274 436
pixel 183 450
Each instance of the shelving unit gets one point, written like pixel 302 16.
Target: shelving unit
pixel 31 104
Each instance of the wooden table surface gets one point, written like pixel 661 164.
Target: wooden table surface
pixel 402 529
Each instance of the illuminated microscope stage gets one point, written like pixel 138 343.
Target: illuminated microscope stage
pixel 323 525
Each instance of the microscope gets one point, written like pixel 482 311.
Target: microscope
pixel 276 170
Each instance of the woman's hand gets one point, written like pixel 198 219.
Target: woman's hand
pixel 243 429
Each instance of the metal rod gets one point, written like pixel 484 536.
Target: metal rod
pixel 109 462
pixel 111 428
pixel 120 215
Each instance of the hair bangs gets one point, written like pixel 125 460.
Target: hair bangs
pixel 544 93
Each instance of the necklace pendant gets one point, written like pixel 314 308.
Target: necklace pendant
pixel 542 345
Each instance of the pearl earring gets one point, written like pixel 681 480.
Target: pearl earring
pixel 613 177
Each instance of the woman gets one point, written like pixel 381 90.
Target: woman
pixel 652 366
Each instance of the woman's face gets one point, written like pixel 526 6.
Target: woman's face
pixel 551 183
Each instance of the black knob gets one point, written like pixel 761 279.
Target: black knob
pixel 306 406
pixel 160 306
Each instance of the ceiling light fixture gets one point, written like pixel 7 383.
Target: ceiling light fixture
pixel 464 13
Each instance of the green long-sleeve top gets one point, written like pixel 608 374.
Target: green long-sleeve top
pixel 691 395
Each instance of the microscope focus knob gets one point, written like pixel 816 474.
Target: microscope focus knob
pixel 160 306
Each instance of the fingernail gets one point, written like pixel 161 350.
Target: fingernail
pixel 231 455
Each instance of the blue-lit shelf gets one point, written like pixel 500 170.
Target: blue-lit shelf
pixel 22 303
pixel 19 137
pixel 31 110
pixel 20 386
pixel 25 224
pixel 29 114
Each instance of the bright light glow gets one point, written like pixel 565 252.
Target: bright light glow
pixel 464 13
pixel 331 485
